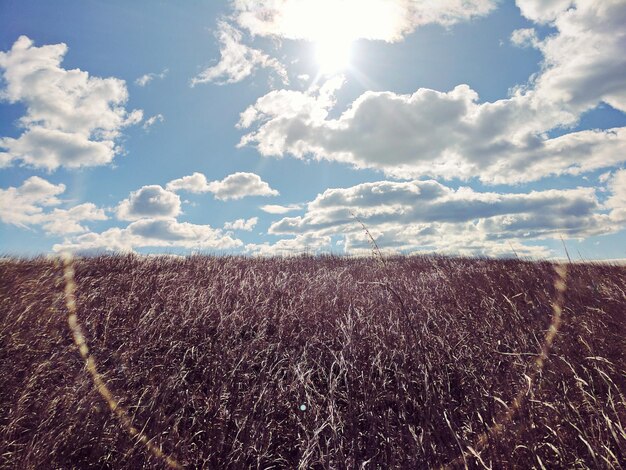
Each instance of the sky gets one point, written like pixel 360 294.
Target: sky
pixel 274 127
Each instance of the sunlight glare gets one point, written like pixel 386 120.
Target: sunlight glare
pixel 334 25
pixel 333 56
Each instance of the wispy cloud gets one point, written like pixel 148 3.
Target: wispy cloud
pixel 152 120
pixel 311 243
pixel 237 60
pixel 148 77
pixel 617 201
pixel 278 209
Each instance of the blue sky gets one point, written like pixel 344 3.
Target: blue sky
pixel 476 127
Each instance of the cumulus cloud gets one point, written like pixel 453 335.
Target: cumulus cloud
pixel 153 213
pixel 234 186
pixel 149 202
pixel 451 134
pixel 23 205
pixel 387 20
pixel 151 233
pixel 72 119
pixel 429 216
pixel 195 183
pixel 584 62
pixel 428 133
pixel 242 224
pixel 237 61
pixel 31 205
pixel 240 185
pixel 428 201
pixel 314 104
pixel 49 148
pixel 148 77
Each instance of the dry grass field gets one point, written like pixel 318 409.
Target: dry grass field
pixel 313 362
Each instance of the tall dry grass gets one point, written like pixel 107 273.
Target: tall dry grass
pixel 91 366
pixel 212 357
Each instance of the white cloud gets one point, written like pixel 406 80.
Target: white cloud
pixel 234 186
pixel 451 134
pixel 584 62
pixel 65 221
pixel 460 240
pixel 27 205
pixel 153 120
pixel 311 106
pixel 49 148
pixel 153 211
pixel 306 243
pixel 71 119
pixel 24 205
pixel 543 11
pixel 237 60
pixel 403 217
pixel 526 37
pixel 387 20
pixel 148 77
pixel 152 233
pixel 429 133
pixel 240 185
pixel 195 183
pixel 278 209
pixel 242 224
pixel 429 201
pixel 428 216
pixel 617 201
pixel 149 202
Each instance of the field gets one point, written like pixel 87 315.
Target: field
pixel 312 362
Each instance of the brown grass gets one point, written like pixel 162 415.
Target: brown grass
pixel 437 362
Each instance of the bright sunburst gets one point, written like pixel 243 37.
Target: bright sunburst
pixel 334 25
pixel 332 55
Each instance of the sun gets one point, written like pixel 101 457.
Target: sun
pixel 333 26
pixel 333 54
